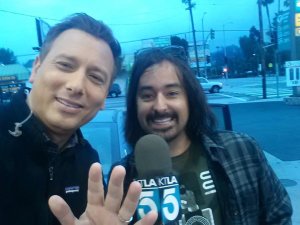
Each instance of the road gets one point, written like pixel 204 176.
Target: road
pixel 237 90
pixel 274 124
pixel 250 89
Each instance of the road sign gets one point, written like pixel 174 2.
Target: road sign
pixel 297 6
pixel 284 30
pixel 297 19
pixel 292 64
pixel 292 73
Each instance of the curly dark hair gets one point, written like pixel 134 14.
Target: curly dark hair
pixel 201 119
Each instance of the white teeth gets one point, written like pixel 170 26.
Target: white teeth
pixel 162 120
pixel 68 104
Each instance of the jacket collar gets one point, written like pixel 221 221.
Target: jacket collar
pixel 32 128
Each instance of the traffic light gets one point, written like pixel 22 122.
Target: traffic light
pixel 212 34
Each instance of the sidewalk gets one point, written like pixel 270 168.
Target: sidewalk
pixel 275 125
pixel 289 174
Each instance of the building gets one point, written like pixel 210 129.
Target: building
pixel 12 78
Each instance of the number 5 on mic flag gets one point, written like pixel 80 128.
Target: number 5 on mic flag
pixel 162 195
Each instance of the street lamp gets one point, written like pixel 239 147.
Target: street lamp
pixel 224 49
pixel 203 43
pixel 257 63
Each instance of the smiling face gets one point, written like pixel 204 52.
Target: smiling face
pixel 70 85
pixel 162 105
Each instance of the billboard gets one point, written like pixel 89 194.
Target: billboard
pixel 42 29
pixel 297 18
pixel 156 42
pixel 297 6
pixel 283 33
pixel 202 55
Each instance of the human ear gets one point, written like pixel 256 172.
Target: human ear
pixel 36 65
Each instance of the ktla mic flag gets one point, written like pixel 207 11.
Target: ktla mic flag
pixel 160 194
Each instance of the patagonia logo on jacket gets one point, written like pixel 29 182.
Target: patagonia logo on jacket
pixel 72 189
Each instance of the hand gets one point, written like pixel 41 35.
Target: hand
pixel 100 211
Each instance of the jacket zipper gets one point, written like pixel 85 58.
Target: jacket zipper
pixel 51 172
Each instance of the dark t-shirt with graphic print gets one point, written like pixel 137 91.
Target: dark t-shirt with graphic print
pixel 198 193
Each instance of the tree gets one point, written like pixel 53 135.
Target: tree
pixel 250 49
pixel 181 42
pixel 250 45
pixel 235 61
pixel 287 3
pixel 7 56
pixel 254 34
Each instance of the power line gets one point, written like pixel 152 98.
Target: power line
pixel 137 24
pixel 111 24
pixel 161 36
pixel 26 55
pixel 28 15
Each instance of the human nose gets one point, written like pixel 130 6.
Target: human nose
pixel 160 103
pixel 75 83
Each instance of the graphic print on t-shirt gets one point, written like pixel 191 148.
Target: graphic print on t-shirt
pixel 198 196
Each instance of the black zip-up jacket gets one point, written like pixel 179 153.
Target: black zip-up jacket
pixel 31 169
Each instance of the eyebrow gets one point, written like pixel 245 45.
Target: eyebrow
pixel 74 59
pixel 64 56
pixel 173 85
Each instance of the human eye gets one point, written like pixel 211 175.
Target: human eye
pixel 65 66
pixel 146 96
pixel 96 78
pixel 173 93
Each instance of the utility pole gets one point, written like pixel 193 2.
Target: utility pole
pixel 262 50
pixel 225 50
pixel 190 6
pixel 204 46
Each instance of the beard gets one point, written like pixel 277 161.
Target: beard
pixel 168 133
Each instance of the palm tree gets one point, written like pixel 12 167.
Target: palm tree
pixel 287 3
pixel 266 4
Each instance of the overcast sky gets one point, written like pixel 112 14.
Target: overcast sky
pixel 130 20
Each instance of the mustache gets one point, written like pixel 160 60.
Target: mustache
pixel 159 115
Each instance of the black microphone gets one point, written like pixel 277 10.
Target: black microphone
pixel 160 188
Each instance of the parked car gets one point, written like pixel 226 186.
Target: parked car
pixel 115 90
pixel 211 86
pixel 106 133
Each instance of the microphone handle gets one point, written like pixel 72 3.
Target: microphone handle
pixel 161 194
